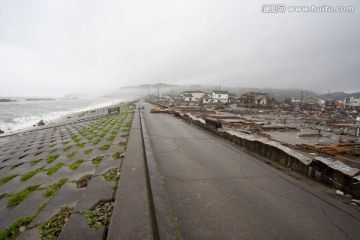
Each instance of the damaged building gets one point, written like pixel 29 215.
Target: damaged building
pixel 254 98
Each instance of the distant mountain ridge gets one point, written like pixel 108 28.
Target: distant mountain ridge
pixel 157 85
pixel 339 95
pixel 172 89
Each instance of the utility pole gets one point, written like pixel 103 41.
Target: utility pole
pixel 301 100
pixel 158 92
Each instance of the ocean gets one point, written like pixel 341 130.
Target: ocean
pixel 23 113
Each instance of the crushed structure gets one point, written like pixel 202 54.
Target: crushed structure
pixel 320 139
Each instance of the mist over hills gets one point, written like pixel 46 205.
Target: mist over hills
pixel 339 95
pixel 170 89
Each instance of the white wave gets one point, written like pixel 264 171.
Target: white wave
pixel 25 122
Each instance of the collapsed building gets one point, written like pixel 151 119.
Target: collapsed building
pixel 322 144
pixel 253 98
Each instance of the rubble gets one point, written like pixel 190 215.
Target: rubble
pixel 340 193
pixel 318 138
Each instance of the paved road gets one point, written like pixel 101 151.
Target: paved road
pixel 216 191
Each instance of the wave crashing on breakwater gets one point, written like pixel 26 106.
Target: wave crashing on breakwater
pixel 22 114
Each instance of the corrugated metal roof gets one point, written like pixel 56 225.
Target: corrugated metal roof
pixel 192 91
pixel 220 92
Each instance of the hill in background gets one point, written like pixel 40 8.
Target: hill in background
pixel 168 89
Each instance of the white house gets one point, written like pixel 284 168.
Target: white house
pixel 220 96
pixel 187 97
pixel 191 96
pixel 352 103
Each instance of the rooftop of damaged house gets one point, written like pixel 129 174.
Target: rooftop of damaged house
pixel 323 135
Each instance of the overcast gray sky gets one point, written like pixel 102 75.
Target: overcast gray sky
pixel 51 48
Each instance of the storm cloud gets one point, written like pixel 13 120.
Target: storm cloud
pixel 51 48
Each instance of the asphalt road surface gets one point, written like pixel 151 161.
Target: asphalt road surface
pixel 217 191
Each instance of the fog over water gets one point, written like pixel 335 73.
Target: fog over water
pixel 53 48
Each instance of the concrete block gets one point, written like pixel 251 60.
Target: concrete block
pixel 68 195
pixel 76 228
pixel 97 189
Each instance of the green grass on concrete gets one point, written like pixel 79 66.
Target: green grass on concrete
pixel 102 134
pixel 96 141
pixel 53 188
pixel 52 158
pixel 112 175
pixel 12 231
pixel 54 168
pixel 118 155
pixel 18 197
pixel 3 195
pixel 73 136
pixel 88 151
pixel 92 219
pixel 5 179
pixel 121 144
pixel 178 234
pixel 110 138
pixel 75 164
pixel 30 174
pixel 125 130
pixel 104 147
pixel 81 144
pixel 33 162
pixel 52 228
pixel 89 137
pixel 96 161
pixel 66 148
pixel 70 155
pixel 52 151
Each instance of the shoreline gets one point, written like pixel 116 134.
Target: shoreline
pixel 59 120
